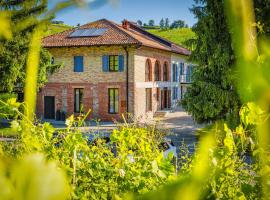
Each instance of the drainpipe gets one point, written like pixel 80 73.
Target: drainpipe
pixel 127 88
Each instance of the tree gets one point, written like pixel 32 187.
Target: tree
pixel 139 22
pixel 13 53
pixel 162 23
pixel 151 22
pixel 167 23
pixel 178 24
pixel 262 10
pixel 213 94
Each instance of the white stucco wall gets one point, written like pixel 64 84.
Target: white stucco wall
pixel 178 59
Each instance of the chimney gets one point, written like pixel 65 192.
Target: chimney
pixel 125 24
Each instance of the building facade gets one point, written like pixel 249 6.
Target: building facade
pixel 111 70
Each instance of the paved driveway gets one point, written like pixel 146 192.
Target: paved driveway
pixel 181 128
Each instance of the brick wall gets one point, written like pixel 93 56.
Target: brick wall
pixel 95 98
pixel 92 65
pixel 141 56
pixel 95 82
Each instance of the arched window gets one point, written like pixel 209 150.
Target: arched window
pixel 157 71
pixel 165 72
pixel 148 71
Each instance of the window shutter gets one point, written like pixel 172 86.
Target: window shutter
pixel 191 69
pixel 181 68
pixel 78 63
pixel 81 63
pixel 121 63
pixel 176 75
pixel 105 63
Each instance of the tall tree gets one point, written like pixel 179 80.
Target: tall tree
pixel 139 22
pixel 162 23
pixel 213 94
pixel 167 23
pixel 151 22
pixel 25 17
pixel 178 24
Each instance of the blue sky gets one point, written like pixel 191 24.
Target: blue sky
pixel 117 10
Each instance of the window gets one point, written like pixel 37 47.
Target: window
pixel 113 94
pixel 182 68
pixel 78 100
pixel 78 63
pixel 148 71
pixel 175 93
pixel 148 99
pixel 174 72
pixel 113 64
pixel 165 72
pixel 52 60
pixel 158 93
pixel 157 71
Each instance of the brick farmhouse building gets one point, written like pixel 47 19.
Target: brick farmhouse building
pixel 113 70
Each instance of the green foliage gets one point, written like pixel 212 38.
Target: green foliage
pixel 25 17
pixel 131 162
pixel 178 24
pixel 27 179
pixel 8 105
pixel 179 36
pixel 53 164
pixel 151 22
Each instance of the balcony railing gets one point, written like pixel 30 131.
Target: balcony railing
pixel 185 78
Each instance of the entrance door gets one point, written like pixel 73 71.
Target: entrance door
pixel 49 107
pixel 164 99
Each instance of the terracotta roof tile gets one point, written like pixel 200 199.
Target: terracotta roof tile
pixel 114 35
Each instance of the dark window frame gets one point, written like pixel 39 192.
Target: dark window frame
pixel 148 71
pixel 157 71
pixel 148 101
pixel 114 101
pixel 174 72
pixel 52 60
pixel 175 91
pixel 113 63
pixel 158 94
pixel 81 91
pixel 165 75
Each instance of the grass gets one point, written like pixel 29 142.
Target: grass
pixel 57 28
pixel 179 36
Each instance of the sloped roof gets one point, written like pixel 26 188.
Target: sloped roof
pixel 127 34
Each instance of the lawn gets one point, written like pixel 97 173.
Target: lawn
pixel 178 36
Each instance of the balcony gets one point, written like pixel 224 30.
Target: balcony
pixel 185 78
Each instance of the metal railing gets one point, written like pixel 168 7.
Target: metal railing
pixel 185 78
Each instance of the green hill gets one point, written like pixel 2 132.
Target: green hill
pixel 57 28
pixel 178 36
